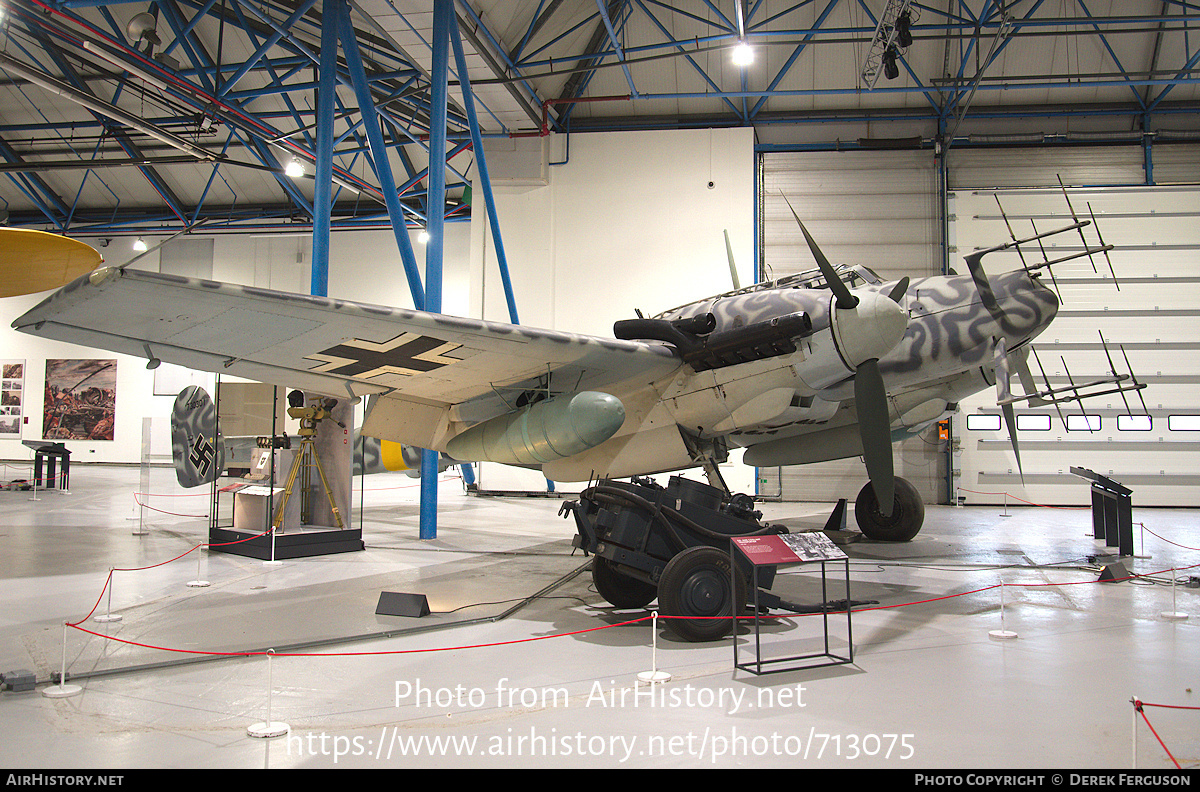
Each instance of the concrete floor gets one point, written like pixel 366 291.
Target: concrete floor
pixel 929 687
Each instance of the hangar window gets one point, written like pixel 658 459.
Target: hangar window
pixel 1134 423
pixel 989 423
pixel 1033 423
pixel 1183 423
pixel 1083 423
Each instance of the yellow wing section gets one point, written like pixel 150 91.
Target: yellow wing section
pixel 36 261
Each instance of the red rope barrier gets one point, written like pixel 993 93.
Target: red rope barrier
pixel 1031 503
pixel 1168 541
pixel 160 511
pixel 108 580
pixel 1138 705
pixel 370 654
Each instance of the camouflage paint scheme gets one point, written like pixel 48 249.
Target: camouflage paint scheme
pixel 196 445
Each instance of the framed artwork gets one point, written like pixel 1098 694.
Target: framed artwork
pixel 12 397
pixel 80 400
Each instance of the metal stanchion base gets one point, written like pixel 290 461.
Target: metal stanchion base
pixel 653 677
pixel 106 618
pixel 1173 615
pixel 198 583
pixel 264 729
pixel 1003 635
pixel 62 691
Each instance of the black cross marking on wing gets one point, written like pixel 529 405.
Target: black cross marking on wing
pixel 407 353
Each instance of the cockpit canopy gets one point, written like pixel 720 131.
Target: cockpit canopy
pixel 809 279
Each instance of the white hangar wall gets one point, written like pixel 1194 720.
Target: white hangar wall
pixel 627 221
pixel 1154 449
pixel 364 266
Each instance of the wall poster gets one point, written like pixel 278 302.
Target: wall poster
pixel 12 396
pixel 80 400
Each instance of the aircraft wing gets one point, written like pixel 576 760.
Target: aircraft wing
pixel 425 362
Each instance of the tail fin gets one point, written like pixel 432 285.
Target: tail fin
pixel 196 443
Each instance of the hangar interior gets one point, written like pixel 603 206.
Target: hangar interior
pixel 623 149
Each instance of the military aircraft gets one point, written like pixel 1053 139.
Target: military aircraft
pixel 829 364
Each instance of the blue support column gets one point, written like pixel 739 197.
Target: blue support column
pixel 379 155
pixel 323 177
pixel 443 21
pixel 485 181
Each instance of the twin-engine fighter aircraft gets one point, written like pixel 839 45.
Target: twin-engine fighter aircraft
pixel 818 366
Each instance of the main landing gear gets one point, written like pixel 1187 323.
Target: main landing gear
pixel 908 513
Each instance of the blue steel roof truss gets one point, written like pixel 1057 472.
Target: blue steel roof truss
pixel 240 80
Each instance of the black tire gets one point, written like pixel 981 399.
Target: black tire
pixel 696 582
pixel 908 514
pixel 620 590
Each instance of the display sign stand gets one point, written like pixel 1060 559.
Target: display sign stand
pixel 790 550
pixel 1112 511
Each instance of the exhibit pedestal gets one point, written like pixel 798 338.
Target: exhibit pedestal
pixel 302 542
pixel 789 550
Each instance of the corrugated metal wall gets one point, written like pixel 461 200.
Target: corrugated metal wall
pixel 1154 314
pixel 874 208
pixel 880 209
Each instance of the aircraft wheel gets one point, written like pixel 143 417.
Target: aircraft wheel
pixel 697 583
pixel 908 514
pixel 621 590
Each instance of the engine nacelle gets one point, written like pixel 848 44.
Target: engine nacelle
pixel 556 428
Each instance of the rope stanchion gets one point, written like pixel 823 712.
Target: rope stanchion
pixel 63 690
pixel 108 616
pixel 199 582
pixel 1139 710
pixel 653 676
pixel 1003 633
pixel 268 728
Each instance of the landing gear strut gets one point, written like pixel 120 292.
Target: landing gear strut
pixel 908 513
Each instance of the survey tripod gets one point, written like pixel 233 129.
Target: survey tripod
pixel 307 458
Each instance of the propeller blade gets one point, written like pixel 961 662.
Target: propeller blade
pixel 1000 365
pixel 1003 394
pixel 844 298
pixel 875 428
pixel 1025 375
pixel 897 292
pixel 1010 421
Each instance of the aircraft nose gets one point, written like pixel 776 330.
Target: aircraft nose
pixel 871 329
pixel 1027 306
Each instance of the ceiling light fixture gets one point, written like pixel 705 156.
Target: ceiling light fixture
pixel 294 169
pixel 743 55
pixel 139 245
pixel 423 237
